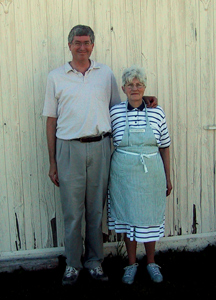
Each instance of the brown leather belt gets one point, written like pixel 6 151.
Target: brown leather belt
pixel 91 139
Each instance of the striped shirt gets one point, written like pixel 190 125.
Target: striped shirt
pixel 136 119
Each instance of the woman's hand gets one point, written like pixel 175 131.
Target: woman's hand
pixel 165 155
pixel 169 188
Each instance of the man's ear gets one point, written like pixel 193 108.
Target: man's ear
pixel 69 45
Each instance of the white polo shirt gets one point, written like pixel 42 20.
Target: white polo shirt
pixel 80 102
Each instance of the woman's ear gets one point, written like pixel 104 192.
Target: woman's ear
pixel 123 89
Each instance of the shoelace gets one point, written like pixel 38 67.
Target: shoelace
pixel 130 270
pixel 70 271
pixel 98 270
pixel 155 269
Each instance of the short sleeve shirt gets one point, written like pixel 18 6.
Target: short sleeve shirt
pixel 80 102
pixel 136 119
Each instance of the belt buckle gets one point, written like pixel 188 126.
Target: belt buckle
pixel 82 140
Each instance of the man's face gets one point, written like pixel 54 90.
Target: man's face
pixel 81 48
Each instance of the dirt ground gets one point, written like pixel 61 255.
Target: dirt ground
pixel 190 274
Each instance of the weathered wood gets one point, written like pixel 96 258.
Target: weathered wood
pixel 11 132
pixel 214 57
pixel 174 40
pixel 149 45
pixel 118 39
pixel 28 221
pixel 179 116
pixel 207 94
pixel 4 209
pixel 164 87
pixel 194 128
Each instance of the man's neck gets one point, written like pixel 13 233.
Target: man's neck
pixel 81 67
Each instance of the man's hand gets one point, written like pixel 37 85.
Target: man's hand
pixel 53 174
pixel 51 142
pixel 151 101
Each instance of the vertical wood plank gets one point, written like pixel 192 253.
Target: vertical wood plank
pixel 194 127
pixel 55 33
pixel 179 116
pixel 207 116
pixel 40 71
pixel 11 127
pixel 103 32
pixel 119 41
pixel 4 207
pixel 214 58
pixel 149 44
pixel 86 13
pixel 133 33
pixel 164 71
pixel 29 179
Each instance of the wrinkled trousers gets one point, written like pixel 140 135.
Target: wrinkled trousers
pixel 83 170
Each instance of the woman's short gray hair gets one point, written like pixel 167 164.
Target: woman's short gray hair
pixel 134 72
pixel 81 30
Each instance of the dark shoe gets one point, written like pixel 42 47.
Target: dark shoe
pixel 98 274
pixel 70 276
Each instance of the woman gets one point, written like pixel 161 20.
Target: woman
pixel 139 174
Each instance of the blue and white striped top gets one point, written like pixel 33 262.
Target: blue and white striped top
pixel 137 118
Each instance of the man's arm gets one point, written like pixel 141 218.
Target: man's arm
pixel 51 142
pixel 151 101
pixel 115 97
pixel 165 155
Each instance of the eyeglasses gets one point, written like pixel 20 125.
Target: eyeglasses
pixel 79 44
pixel 138 86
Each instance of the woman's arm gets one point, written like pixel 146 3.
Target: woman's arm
pixel 165 155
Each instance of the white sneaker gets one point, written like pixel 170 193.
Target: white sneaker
pixel 70 276
pixel 129 274
pixel 154 272
pixel 98 274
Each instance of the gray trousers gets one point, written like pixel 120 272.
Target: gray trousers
pixel 83 170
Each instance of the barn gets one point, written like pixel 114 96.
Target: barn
pixel 175 40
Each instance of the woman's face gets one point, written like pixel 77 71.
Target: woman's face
pixel 134 91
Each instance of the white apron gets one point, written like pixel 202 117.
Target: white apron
pixel 137 183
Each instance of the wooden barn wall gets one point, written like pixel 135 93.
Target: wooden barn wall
pixel 173 39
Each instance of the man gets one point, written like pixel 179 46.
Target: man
pixel 78 97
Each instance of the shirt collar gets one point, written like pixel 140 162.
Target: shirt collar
pixel 94 65
pixel 141 107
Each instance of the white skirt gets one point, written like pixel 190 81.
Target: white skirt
pixel 142 234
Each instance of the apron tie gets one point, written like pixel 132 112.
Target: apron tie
pixel 142 156
pixel 143 162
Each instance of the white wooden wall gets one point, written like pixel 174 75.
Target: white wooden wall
pixel 174 39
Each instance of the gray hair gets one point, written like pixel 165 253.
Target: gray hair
pixel 134 72
pixel 81 30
